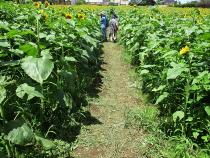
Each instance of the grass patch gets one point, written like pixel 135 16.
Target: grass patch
pixel 157 144
pixel 143 117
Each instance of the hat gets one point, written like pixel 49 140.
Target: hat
pixel 102 13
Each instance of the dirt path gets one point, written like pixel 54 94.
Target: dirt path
pixel 111 139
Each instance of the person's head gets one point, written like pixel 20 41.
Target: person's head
pixel 102 13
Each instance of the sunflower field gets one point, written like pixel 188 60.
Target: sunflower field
pixel 48 60
pixel 170 50
pixel 50 56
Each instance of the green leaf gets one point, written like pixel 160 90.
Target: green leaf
pixel 205 36
pixel 160 88
pixel 38 69
pixel 17 51
pixel 135 47
pixel 148 66
pixel 26 89
pixel 21 136
pixel 30 49
pixel 13 33
pixel 195 135
pixel 189 119
pixel 72 59
pixel 207 109
pixel 144 72
pixel 42 35
pixel 178 114
pixel 47 144
pixel 4 44
pixel 2 94
pixel 176 70
pixel 205 138
pixel 170 54
pixel 161 97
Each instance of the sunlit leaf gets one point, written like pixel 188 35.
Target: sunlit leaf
pixel 176 71
pixel 179 115
pixel 21 136
pixel 38 69
pixel 2 94
pixel 162 97
pixel 4 44
pixel 29 49
pixel 30 91
pixel 195 135
pixel 47 144
pixel 144 72
pixel 161 87
pixel 207 109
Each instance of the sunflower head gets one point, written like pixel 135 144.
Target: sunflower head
pixel 184 50
pixel 68 16
pixel 37 4
pixel 81 16
pixel 46 3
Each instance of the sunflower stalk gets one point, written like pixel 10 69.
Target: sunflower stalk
pixel 38 31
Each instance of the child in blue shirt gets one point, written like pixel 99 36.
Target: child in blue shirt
pixel 103 26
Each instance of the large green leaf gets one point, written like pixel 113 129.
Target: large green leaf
pixel 161 97
pixel 30 91
pixel 176 71
pixel 135 47
pixel 47 144
pixel 207 109
pixel 30 49
pixel 21 136
pixel 179 115
pixel 2 94
pixel 38 69
pixel 4 44
pixel 144 71
pixel 13 33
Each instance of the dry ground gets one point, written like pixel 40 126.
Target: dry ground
pixel 111 139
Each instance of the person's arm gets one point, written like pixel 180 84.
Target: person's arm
pixel 116 24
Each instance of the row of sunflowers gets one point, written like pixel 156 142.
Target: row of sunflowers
pixel 48 61
pixel 170 49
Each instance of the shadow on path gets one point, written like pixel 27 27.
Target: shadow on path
pixel 112 96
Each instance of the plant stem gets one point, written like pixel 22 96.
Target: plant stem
pixel 37 29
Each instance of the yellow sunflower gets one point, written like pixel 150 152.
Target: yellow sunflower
pixel 68 16
pixel 46 3
pixel 37 4
pixel 81 16
pixel 184 50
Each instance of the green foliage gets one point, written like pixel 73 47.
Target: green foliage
pixel 172 61
pixel 47 63
pixel 143 118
